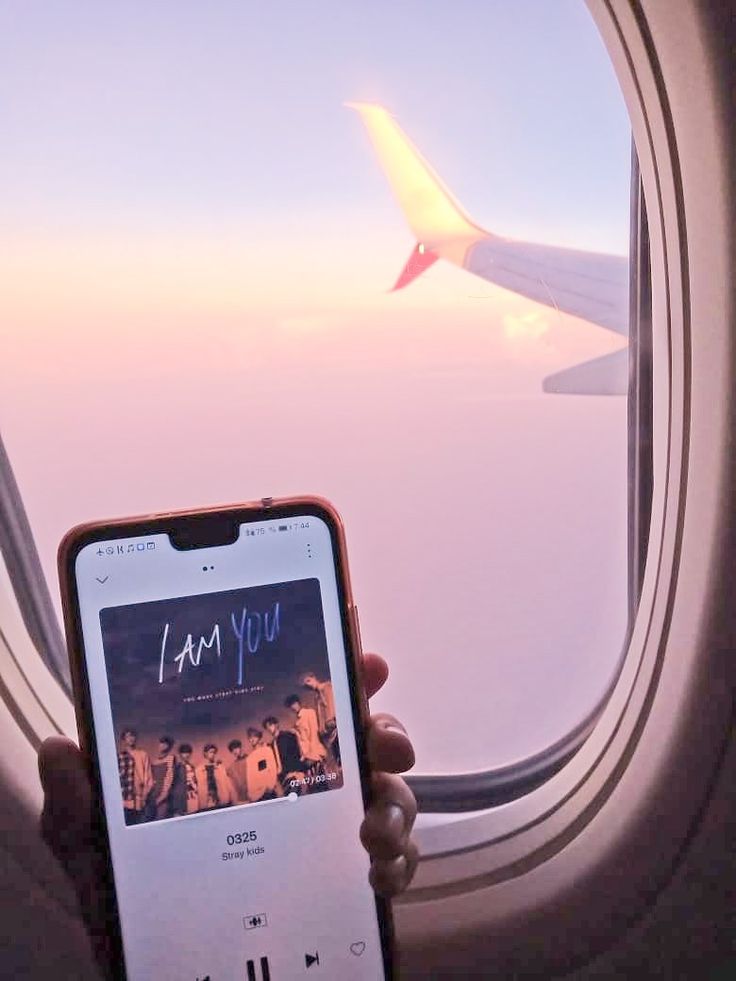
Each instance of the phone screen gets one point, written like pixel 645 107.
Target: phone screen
pixel 224 730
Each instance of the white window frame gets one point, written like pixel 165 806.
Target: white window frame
pixel 574 862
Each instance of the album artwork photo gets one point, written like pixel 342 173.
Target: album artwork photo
pixel 221 700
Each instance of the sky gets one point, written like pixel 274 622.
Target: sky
pixel 196 248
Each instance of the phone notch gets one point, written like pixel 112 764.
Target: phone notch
pixel 205 531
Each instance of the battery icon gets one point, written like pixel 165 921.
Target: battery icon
pixel 283 527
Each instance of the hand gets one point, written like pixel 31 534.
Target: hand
pixel 386 830
pixel 71 826
pixel 71 829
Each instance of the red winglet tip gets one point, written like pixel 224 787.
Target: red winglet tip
pixel 420 259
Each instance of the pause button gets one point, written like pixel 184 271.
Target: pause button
pixel 254 975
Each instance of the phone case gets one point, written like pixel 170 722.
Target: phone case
pixel 263 509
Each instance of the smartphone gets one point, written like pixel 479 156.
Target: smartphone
pixel 217 678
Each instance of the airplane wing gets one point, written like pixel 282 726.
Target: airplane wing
pixel 590 285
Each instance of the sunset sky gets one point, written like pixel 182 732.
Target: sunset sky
pixel 196 244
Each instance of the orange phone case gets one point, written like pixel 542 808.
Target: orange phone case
pixel 263 509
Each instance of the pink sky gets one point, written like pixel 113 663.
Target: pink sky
pixel 215 379
pixel 195 251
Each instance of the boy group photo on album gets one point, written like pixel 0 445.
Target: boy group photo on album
pixel 221 699
pixel 298 753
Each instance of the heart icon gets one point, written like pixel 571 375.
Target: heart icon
pixel 357 948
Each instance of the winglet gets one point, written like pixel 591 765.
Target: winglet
pixel 420 259
pixel 433 214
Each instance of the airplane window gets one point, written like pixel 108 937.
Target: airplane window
pixel 377 252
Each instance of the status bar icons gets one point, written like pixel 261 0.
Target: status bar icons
pixel 126 548
pixel 255 921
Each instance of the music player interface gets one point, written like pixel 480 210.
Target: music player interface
pixel 227 753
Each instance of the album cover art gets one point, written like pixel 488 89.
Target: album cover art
pixel 221 699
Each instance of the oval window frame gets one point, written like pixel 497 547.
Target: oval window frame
pixel 596 840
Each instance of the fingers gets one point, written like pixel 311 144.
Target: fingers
pixel 390 817
pixel 68 827
pixel 59 760
pixel 389 747
pixel 66 819
pixel 385 834
pixel 375 672
pixel 386 829
pixel 393 876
